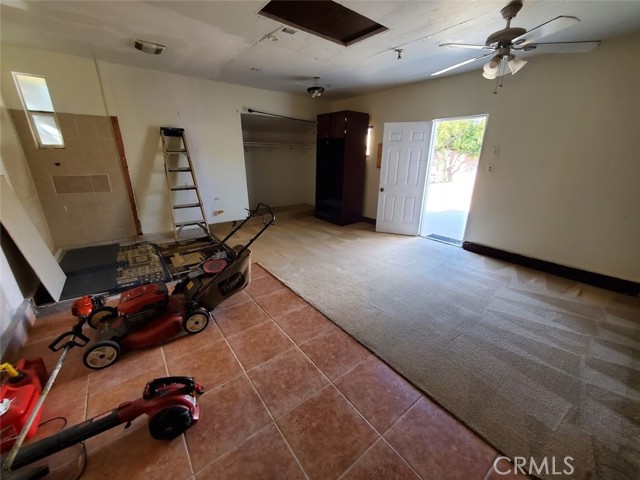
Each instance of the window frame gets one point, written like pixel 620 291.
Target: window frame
pixel 29 113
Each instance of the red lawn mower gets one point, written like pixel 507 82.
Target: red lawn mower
pixel 147 315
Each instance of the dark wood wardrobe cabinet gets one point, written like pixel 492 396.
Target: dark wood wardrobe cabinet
pixel 340 165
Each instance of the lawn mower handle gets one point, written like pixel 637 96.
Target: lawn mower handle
pixel 74 333
pixel 252 213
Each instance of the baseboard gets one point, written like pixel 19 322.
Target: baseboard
pixel 364 219
pixel 619 285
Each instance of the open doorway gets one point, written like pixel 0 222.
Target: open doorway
pixel 455 150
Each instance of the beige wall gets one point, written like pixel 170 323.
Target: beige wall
pixel 75 215
pixel 81 186
pixel 281 175
pixel 566 185
pixel 14 166
pixel 144 100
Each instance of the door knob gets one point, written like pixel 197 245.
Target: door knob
pixel 382 189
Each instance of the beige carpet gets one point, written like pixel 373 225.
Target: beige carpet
pixel 535 364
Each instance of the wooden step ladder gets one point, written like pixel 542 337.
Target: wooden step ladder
pixel 184 196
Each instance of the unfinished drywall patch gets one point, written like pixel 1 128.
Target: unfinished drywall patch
pixel 81 186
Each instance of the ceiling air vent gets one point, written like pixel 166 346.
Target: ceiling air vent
pixel 324 18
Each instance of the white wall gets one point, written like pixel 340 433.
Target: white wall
pixel 144 100
pixel 10 296
pixel 72 81
pixel 566 186
pixel 13 166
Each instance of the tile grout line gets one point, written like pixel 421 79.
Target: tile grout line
pixel 265 405
pixel 420 397
pixel 380 435
pixel 330 384
pixel 183 435
pixel 366 450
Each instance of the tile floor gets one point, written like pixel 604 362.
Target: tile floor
pixel 288 395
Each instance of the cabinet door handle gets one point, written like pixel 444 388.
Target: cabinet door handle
pixel 382 189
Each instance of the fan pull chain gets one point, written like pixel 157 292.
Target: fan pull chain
pixel 502 68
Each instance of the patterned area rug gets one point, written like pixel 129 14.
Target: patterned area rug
pixel 139 264
pixel 180 257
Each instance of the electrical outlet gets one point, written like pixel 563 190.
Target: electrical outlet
pixel 490 168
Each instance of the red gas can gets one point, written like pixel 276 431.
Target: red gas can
pixel 18 397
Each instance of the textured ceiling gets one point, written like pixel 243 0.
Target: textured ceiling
pixel 230 42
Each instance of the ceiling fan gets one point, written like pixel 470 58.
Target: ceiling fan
pixel 504 44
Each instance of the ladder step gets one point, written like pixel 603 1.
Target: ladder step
pixel 171 131
pixel 176 150
pixel 186 187
pixel 185 224
pixel 179 169
pixel 186 205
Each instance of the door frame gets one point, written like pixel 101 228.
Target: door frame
pixel 429 165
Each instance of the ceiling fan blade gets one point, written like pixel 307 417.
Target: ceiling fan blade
pixel 466 45
pixel 461 64
pixel 552 26
pixel 560 47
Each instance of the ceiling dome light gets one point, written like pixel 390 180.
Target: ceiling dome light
pixel 148 47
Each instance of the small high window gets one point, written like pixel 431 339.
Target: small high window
pixel 37 104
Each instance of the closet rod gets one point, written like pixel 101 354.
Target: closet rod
pixel 251 110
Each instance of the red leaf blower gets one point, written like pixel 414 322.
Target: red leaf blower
pixel 170 402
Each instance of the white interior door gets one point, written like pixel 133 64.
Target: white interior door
pixel 403 174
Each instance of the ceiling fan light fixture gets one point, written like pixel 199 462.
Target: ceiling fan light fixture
pixel 315 91
pixel 492 66
pixel 515 64
pixel 490 75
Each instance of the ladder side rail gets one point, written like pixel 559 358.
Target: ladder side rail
pixel 205 226
pixel 165 156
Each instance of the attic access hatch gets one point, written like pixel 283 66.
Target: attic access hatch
pixel 324 18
